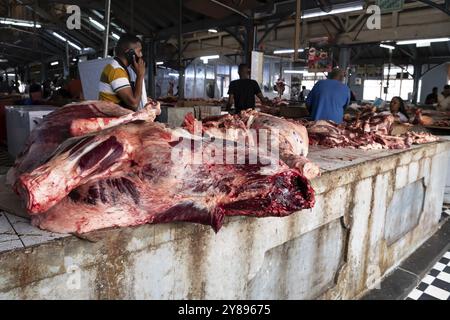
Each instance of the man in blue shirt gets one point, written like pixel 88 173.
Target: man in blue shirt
pixel 329 98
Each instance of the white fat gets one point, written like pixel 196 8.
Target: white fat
pixel 269 170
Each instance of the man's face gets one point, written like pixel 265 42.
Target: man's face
pixel 137 47
pixel 447 92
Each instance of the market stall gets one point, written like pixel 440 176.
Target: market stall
pixel 359 231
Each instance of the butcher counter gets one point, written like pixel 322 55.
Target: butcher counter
pixel 373 209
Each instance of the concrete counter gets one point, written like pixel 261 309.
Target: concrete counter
pixel 373 209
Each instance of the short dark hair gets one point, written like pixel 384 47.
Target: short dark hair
pixel 334 73
pixel 241 67
pixel 435 88
pixel 125 42
pixel 447 86
pixel 402 103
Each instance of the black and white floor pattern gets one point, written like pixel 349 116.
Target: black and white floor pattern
pixel 436 284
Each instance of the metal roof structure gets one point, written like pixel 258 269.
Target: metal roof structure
pixel 157 20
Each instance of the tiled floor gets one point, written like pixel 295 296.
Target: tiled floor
pixel 436 284
pixel 17 232
pixel 6 161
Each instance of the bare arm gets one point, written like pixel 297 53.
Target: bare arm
pixel 230 101
pixel 262 98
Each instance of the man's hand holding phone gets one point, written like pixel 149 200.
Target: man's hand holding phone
pixel 139 66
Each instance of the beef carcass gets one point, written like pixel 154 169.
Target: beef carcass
pixel 68 121
pixel 369 131
pixel 128 175
pixel 293 137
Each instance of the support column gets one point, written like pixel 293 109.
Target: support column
pixel 151 68
pixel 249 43
pixel 107 22
pixel 43 71
pixel 344 57
pixel 180 52
pixel 417 76
pixel 66 62
pixel 344 60
pixel 297 29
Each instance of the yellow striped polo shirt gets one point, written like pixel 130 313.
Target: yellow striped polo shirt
pixel 113 78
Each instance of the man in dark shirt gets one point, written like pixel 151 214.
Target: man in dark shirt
pixel 432 98
pixel 242 92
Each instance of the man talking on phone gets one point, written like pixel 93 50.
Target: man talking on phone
pixel 115 84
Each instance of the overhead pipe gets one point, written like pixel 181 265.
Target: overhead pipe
pixel 230 8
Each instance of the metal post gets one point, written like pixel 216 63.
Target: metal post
pixel 297 30
pixel 66 62
pixel 249 42
pixel 344 60
pixel 417 76
pixel 151 68
pixel 389 74
pixel 180 53
pixel 401 82
pixel 132 15
pixel 107 22
pixel 43 71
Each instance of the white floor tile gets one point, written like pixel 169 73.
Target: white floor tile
pixel 30 234
pixel 7 232
pixel 437 292
pixel 447 255
pixel 444 277
pixel 10 245
pixel 415 294
pixel 439 266
pixel 428 279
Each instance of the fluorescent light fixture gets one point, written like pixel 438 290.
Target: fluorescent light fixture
pixel 11 75
pixel 173 74
pixel 295 71
pixel 206 58
pixel 115 36
pixel 337 9
pixel 3 60
pixel 422 41
pixel 98 14
pixel 382 45
pixel 210 57
pixel 19 23
pixel 159 63
pixel 96 24
pixel 283 51
pixel 60 37
pixel 54 63
pixel 212 30
pixel 74 59
pixel 423 44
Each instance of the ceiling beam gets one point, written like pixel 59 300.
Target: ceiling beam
pixel 435 30
pixel 443 7
pixel 200 25
pixel 122 13
pixel 75 35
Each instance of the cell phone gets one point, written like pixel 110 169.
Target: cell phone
pixel 130 54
